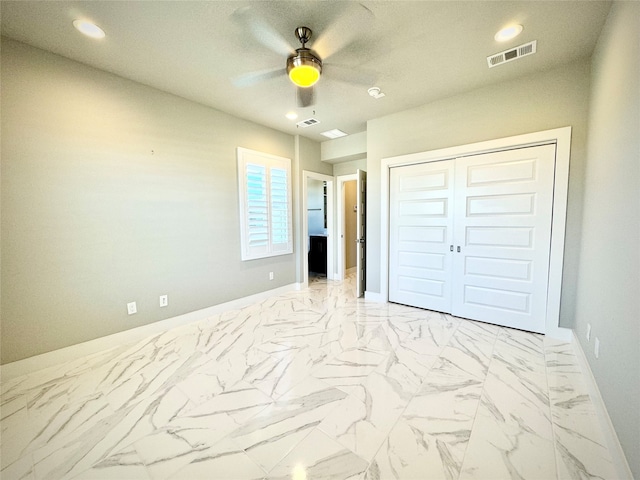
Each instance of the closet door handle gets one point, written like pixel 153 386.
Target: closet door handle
pixel 451 248
pixel 458 248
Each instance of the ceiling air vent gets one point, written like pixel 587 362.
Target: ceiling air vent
pixel 512 54
pixel 308 122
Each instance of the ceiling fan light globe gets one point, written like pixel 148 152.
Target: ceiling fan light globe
pixel 304 68
pixel 304 75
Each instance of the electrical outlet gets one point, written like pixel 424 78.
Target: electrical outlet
pixel 588 332
pixel 131 308
pixel 270 275
pixel 596 350
pixel 164 300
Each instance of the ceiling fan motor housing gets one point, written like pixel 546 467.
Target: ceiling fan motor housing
pixel 303 56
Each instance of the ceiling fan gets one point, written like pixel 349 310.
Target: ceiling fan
pixel 305 66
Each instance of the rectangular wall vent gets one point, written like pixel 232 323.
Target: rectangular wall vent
pixel 512 54
pixel 308 122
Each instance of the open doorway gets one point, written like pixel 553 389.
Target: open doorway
pixel 350 226
pixel 346 209
pixel 351 213
pixel 317 228
pixel 317 222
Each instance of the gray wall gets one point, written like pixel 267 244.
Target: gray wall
pixel 609 276
pixel 552 99
pixel 307 158
pixel 310 157
pixel 115 192
pixel 351 167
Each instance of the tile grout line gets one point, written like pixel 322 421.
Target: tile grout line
pixel 416 392
pixel 551 409
pixel 475 415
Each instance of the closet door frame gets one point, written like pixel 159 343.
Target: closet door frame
pixel 561 137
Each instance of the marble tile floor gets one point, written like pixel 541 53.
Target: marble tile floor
pixel 315 384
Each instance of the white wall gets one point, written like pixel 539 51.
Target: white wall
pixel 115 192
pixel 608 290
pixel 552 99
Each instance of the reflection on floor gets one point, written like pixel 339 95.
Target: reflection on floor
pixel 317 277
pixel 311 384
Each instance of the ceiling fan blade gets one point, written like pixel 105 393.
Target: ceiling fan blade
pixel 265 34
pixel 349 74
pixel 305 96
pixel 253 78
pixel 352 23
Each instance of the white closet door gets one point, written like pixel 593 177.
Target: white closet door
pixel 421 229
pixel 503 206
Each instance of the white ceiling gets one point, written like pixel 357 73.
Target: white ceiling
pixel 415 51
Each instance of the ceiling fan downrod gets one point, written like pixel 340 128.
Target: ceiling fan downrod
pixel 303 34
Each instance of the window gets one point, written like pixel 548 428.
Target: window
pixel 264 185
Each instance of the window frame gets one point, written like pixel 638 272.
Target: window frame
pixel 271 164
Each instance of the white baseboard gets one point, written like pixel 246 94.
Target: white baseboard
pixel 618 457
pixel 374 297
pixel 73 352
pixel 560 333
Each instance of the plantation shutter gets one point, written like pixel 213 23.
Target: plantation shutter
pixel 279 210
pixel 257 208
pixel 265 204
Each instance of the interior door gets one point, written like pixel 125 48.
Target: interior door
pixel 503 206
pixel 421 232
pixel 361 231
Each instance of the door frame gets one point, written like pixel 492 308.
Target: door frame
pixel 340 222
pixel 561 137
pixel 361 232
pixel 306 175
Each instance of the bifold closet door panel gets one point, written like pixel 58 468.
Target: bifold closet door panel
pixel 421 230
pixel 503 207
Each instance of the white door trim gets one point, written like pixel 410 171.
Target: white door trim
pixel 340 243
pixel 562 138
pixel 306 175
pixel 361 232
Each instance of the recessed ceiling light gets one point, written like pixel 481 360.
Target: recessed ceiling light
pixel 291 115
pixel 89 29
pixel 335 133
pixel 507 33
